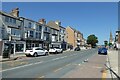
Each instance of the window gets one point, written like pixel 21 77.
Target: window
pixel 63 31
pixel 36 34
pixel 19 47
pixel 39 35
pixel 29 25
pixel 15 32
pixel 40 28
pixel 38 49
pixel 46 36
pixel 6 19
pixel 10 20
pixel 60 30
pixel 14 21
pixel 3 32
pixel 31 33
pixel 45 28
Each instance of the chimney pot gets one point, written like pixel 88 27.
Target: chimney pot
pixel 15 12
pixel 42 21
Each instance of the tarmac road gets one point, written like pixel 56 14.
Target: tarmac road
pixel 52 66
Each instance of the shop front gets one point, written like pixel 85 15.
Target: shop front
pixel 13 47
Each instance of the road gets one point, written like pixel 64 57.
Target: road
pixel 52 66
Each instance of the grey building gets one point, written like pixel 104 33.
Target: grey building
pixel 57 34
pixel 10 29
pixel 46 34
pixel 32 33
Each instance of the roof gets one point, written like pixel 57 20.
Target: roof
pixel 62 27
pixel 75 30
pixel 8 14
pixel 53 25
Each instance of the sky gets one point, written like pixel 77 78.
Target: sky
pixel 98 18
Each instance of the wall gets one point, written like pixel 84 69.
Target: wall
pixel 70 36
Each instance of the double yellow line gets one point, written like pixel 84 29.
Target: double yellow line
pixel 104 74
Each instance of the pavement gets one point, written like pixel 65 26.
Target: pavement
pixel 92 68
pixel 112 62
pixel 96 66
pixel 13 57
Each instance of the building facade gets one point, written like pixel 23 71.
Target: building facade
pixel 11 26
pixel 32 33
pixel 57 35
pixel 23 33
pixel 74 37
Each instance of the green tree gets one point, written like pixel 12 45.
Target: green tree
pixel 110 44
pixel 105 43
pixel 92 39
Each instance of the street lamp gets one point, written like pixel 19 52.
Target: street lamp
pixel 9 48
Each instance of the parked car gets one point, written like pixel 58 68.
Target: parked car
pixel 35 51
pixel 77 49
pixel 102 50
pixel 55 50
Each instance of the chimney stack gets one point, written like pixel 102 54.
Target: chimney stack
pixel 42 21
pixel 58 23
pixel 15 12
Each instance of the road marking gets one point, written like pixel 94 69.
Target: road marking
pixel 67 64
pixel 22 66
pixel 63 57
pixel 42 77
pixel 104 74
pixel 57 69
pixel 55 59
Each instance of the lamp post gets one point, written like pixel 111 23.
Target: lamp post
pixel 9 48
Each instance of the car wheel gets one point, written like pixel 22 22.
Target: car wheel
pixel 27 55
pixel 46 53
pixel 56 52
pixel 35 54
pixel 106 53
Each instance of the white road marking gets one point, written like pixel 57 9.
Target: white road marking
pixel 63 57
pixel 55 59
pixel 22 66
pixel 42 77
pixel 57 69
pixel 67 64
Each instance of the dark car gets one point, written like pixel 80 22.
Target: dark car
pixel 102 50
pixel 77 49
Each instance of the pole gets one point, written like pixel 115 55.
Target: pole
pixel 9 47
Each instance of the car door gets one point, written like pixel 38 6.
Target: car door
pixel 42 51
pixel 37 50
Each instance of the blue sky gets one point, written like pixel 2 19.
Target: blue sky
pixel 97 18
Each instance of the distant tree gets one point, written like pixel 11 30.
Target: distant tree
pixel 92 39
pixel 110 44
pixel 105 42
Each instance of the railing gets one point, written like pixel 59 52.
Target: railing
pixel 112 71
